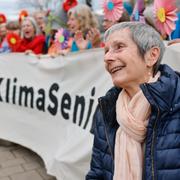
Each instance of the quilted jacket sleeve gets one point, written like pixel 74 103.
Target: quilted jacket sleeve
pixel 95 172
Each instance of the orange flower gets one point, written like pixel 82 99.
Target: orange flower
pixel 13 40
pixel 2 18
pixel 22 15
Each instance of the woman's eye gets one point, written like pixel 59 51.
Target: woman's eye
pixel 118 46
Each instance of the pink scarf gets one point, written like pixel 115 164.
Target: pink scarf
pixel 132 115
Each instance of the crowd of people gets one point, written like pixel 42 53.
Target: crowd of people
pixel 45 33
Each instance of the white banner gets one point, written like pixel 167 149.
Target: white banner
pixel 172 56
pixel 47 105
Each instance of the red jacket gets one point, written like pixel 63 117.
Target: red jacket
pixel 36 44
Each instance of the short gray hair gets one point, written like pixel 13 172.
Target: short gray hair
pixel 144 36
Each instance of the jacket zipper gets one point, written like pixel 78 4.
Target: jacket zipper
pixel 152 145
pixel 100 103
pixel 153 140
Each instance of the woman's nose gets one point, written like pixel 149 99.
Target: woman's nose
pixel 108 57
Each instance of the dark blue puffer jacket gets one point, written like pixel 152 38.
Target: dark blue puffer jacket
pixel 162 151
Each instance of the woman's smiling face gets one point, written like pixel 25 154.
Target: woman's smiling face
pixel 123 60
pixel 73 24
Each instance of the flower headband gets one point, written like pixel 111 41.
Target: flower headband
pixel 113 9
pixel 165 16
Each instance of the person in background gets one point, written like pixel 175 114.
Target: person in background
pixel 83 26
pixel 137 123
pixel 40 17
pixel 13 26
pixel 12 38
pixel 31 40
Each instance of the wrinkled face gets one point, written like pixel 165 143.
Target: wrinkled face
pixel 123 61
pixel 28 29
pixel 107 24
pixel 73 24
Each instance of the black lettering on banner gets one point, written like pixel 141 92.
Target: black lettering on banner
pixel 14 91
pixel 65 105
pixel 90 108
pixel 1 79
pixel 53 98
pixel 7 90
pixel 22 95
pixel 40 102
pixel 79 102
pixel 26 91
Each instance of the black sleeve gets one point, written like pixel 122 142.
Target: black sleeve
pixel 95 172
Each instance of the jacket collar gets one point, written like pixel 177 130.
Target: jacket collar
pixel 163 94
pixel 108 105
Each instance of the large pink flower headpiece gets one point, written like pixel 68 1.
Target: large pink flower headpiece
pixel 113 9
pixel 165 16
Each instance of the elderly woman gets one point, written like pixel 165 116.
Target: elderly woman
pixel 31 40
pixel 137 123
pixel 83 27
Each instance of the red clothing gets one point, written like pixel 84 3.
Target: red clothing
pixel 36 44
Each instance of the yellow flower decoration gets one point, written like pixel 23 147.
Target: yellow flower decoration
pixel 161 14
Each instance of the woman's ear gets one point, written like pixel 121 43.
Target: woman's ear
pixel 152 56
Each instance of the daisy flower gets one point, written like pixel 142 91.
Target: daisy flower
pixel 113 9
pixel 13 40
pixel 165 16
pixel 62 38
